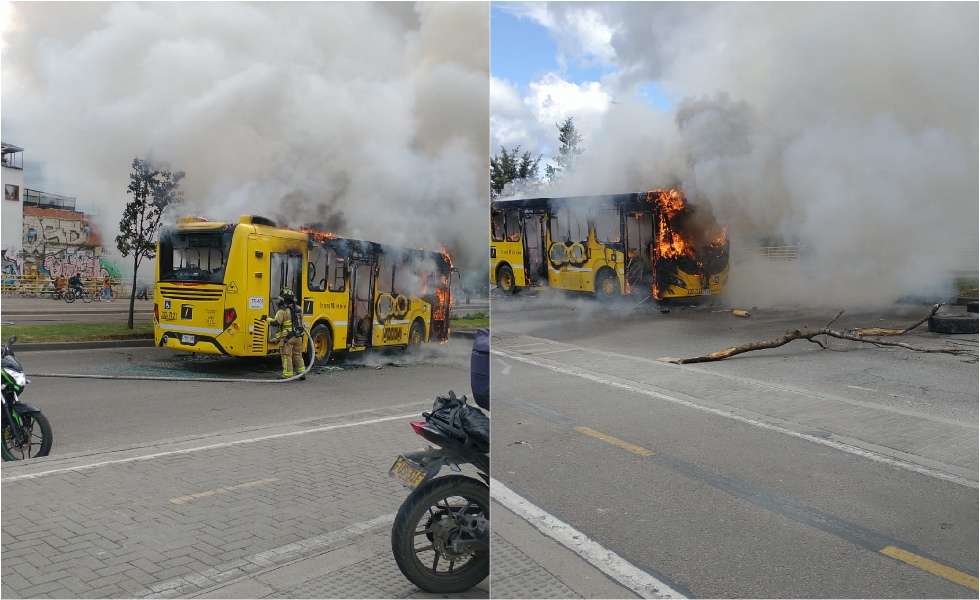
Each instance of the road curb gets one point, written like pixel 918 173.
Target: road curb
pixel 137 343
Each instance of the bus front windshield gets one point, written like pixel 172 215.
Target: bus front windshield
pixel 194 256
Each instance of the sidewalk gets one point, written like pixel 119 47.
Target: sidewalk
pixel 302 510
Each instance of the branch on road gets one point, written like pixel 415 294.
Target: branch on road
pixel 858 334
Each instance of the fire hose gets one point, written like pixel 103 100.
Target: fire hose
pixel 200 379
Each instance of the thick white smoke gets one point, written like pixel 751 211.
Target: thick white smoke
pixel 368 117
pixel 850 126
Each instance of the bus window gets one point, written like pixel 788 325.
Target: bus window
pixel 386 275
pixel 513 226
pixel 198 256
pixel 317 269
pixel 559 225
pixel 498 225
pixel 406 280
pixel 578 225
pixel 285 271
pixel 607 230
pixel 335 271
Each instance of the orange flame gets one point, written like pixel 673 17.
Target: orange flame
pixel 681 234
pixel 320 236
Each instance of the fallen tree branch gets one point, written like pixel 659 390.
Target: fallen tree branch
pixel 858 335
pixel 865 331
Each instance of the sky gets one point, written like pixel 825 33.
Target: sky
pixel 850 126
pixel 371 117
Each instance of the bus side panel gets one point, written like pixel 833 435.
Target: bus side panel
pixel 254 294
pixel 511 253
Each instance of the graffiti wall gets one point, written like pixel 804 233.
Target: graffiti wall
pixel 59 242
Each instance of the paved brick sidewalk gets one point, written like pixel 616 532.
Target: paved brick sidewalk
pixel 181 520
pixel 302 510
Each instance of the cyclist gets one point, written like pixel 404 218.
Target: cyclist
pixel 75 284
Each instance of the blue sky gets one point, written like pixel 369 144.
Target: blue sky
pixel 522 50
pixel 540 81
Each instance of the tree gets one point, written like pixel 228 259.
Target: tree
pixel 508 167
pixel 154 190
pixel 567 152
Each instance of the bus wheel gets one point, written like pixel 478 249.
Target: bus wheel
pixel 415 336
pixel 606 285
pixel 322 344
pixel 505 280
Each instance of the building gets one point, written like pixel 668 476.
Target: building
pixel 42 233
pixel 12 215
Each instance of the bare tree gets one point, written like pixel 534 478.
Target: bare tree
pixel 154 190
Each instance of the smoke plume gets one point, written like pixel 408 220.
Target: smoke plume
pixel 371 118
pixel 850 127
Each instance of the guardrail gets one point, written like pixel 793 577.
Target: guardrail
pixel 780 253
pixel 42 286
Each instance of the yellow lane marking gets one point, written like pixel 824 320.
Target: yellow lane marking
pixel 223 490
pixel 614 441
pixel 933 567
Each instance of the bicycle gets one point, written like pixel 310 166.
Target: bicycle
pixel 74 293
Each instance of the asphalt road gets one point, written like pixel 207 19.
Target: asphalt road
pixel 781 473
pixel 195 487
pixel 110 406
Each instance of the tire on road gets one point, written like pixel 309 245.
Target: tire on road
pixel 954 323
pixel 505 280
pixel 320 346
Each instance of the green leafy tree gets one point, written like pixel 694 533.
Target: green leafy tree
pixel 154 191
pixel 508 167
pixel 568 152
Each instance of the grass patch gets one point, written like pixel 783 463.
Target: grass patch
pixel 77 332
pixel 967 287
pixel 475 321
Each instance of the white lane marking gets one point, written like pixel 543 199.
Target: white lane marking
pixel 607 561
pixel 721 413
pixel 857 387
pixel 235 569
pixel 208 447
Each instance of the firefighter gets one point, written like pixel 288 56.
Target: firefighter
pixel 290 335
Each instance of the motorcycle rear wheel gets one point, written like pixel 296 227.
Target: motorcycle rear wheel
pixel 39 438
pixel 425 523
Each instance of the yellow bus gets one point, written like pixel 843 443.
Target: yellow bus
pixel 217 280
pixel 650 244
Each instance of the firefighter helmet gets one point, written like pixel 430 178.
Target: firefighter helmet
pixel 286 295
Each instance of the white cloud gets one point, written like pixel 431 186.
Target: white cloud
pixel 848 124
pixel 552 99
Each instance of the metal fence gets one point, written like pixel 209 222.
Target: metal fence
pixel 780 253
pixel 42 286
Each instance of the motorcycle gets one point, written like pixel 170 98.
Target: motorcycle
pixel 441 534
pixel 26 431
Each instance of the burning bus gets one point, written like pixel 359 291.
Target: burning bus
pixel 217 280
pixel 650 244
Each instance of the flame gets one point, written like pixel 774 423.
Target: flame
pixel 680 235
pixel 320 236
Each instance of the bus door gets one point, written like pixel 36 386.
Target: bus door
pixel 568 252
pixel 286 270
pixel 535 267
pixel 394 327
pixel 640 248
pixel 362 302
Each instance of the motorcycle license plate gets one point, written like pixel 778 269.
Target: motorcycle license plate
pixel 406 472
pixel 187 339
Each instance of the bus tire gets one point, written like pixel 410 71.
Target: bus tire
pixel 954 323
pixel 505 280
pixel 606 284
pixel 321 345
pixel 416 335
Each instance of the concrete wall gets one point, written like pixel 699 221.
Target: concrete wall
pixel 11 221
